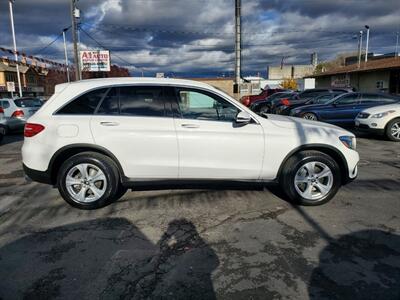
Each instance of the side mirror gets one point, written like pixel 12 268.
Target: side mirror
pixel 243 118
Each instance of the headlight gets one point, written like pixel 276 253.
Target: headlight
pixel 349 142
pixel 383 114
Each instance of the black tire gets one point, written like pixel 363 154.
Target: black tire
pixel 295 163
pixel 310 116
pixel 120 192
pixel 103 163
pixel 388 131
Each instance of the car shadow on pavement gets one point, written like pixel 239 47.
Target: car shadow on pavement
pixel 108 258
pixel 12 138
pixel 360 265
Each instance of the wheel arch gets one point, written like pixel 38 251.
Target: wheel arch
pixel 67 151
pixel 326 149
pixel 387 123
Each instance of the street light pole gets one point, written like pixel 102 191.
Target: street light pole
pixel 396 53
pixel 66 53
pixel 367 44
pixel 360 38
pixel 10 2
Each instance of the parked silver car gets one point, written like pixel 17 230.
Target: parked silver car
pixel 17 111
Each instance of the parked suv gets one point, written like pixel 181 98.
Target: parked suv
pixel 94 139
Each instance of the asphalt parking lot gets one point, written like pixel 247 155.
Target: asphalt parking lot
pixel 203 244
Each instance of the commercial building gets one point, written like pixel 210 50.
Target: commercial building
pixel 31 79
pixel 381 75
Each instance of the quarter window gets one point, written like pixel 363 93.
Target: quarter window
pixel 85 104
pixel 205 106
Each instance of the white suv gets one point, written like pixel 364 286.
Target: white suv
pixel 94 139
pixel 383 120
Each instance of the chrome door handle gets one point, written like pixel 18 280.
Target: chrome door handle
pixel 190 126
pixel 109 123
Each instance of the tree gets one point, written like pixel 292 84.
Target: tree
pixel 289 83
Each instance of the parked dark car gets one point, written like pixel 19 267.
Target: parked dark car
pixel 250 99
pixel 263 106
pixel 286 107
pixel 343 109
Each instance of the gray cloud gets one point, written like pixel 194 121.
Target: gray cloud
pixel 196 36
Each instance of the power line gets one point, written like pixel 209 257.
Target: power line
pixel 98 43
pixel 49 44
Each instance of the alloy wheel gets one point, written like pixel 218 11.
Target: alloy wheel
pixel 395 130
pixel 313 180
pixel 86 183
pixel 309 116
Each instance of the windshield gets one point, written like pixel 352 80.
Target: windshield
pixel 28 102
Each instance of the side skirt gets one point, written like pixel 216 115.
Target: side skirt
pixel 216 184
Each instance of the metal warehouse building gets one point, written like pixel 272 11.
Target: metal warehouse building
pixel 381 75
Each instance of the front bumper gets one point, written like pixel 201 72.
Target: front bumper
pixel 366 126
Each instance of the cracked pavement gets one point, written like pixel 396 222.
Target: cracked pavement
pixel 203 244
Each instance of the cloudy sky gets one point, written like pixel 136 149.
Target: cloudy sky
pixel 196 37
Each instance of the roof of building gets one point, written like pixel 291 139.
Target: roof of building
pixel 372 65
pixel 12 68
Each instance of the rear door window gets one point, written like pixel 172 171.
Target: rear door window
pixel 5 104
pixel 145 101
pixel 85 104
pixel 347 99
pixel 110 103
pixel 30 102
pixel 371 98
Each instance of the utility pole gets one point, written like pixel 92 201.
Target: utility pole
pixel 66 54
pixel 238 46
pixel 367 44
pixel 360 38
pixel 10 2
pixel 74 16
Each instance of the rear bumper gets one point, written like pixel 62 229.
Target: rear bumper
pixel 38 176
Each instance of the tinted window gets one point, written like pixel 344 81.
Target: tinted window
pixel 28 102
pixel 347 99
pixel 142 101
pixel 110 104
pixel 83 105
pixel 370 98
pixel 387 98
pixel 205 106
pixel 5 104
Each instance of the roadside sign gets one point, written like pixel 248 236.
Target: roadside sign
pixel 95 60
pixel 11 86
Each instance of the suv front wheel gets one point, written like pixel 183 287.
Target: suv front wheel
pixel 89 180
pixel 310 178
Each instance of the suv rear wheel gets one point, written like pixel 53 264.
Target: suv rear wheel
pixel 310 178
pixel 89 180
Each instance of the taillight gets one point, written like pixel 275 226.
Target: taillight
pixel 285 102
pixel 18 114
pixel 32 129
pixel 246 100
pixel 1 110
